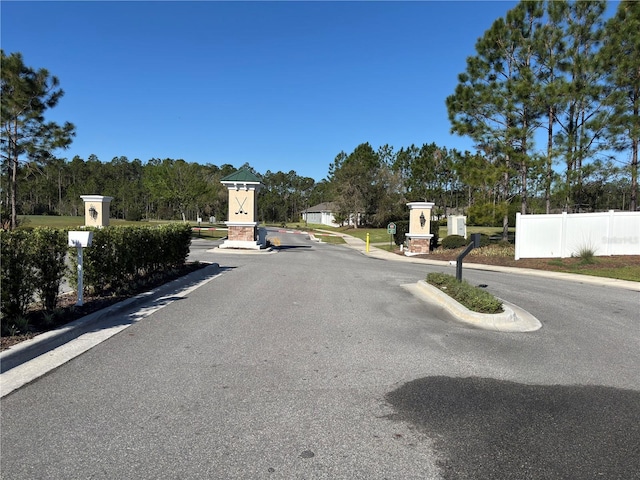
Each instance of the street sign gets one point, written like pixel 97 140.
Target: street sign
pixel 391 228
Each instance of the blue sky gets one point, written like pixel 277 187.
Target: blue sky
pixel 281 85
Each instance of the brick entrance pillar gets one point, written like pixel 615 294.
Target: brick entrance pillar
pixel 96 210
pixel 243 187
pixel 419 236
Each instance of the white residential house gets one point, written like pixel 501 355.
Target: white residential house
pixel 320 214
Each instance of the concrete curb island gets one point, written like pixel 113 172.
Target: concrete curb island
pixel 512 319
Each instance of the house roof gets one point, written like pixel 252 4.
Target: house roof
pixel 242 175
pixel 322 207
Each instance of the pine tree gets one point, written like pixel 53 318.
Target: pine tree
pixel 584 118
pixel 26 94
pixel 550 49
pixel 496 103
pixel 620 58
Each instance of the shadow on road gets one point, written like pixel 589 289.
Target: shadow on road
pixel 492 429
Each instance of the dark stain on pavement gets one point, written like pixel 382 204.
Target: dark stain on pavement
pixel 492 429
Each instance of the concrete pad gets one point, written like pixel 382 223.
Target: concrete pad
pixel 241 251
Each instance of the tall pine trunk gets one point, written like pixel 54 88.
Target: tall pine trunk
pixel 547 186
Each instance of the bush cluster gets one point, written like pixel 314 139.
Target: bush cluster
pixel 402 228
pixel 451 242
pixel 473 298
pixel 122 257
pixel 32 263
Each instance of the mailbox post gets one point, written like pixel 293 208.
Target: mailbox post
pixel 475 243
pixel 80 239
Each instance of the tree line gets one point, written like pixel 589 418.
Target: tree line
pixel 551 100
pixel 558 70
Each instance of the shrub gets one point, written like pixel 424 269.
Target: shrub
pixel 484 240
pixel 402 228
pixel 586 255
pixel 435 231
pixel 121 256
pixel 134 214
pixel 474 298
pixel 454 241
pixel 17 276
pixel 49 249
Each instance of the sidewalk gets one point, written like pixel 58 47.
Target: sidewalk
pixel 361 246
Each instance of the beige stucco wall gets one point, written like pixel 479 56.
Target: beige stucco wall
pixel 414 220
pixel 246 199
pixel 101 204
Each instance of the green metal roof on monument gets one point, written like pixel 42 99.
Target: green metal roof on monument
pixel 242 176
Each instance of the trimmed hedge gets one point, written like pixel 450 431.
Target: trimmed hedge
pixel 17 276
pixel 123 256
pixel 49 252
pixel 32 263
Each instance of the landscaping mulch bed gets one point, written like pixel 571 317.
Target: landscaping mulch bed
pixel 572 265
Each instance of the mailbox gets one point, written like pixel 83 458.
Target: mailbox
pixel 80 238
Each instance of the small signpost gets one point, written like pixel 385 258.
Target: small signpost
pixel 391 230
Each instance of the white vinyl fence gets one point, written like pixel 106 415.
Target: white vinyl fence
pixel 563 235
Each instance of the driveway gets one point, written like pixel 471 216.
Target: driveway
pixel 314 362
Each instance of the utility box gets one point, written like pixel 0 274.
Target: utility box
pixel 457 225
pixel 80 238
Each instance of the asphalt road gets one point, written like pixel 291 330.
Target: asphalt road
pixel 314 362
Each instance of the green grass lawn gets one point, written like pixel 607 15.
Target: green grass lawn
pixel 630 272
pixel 376 235
pixel 53 221
pixel 219 232
pixel 31 221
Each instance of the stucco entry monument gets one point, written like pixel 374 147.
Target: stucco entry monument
pixel 419 235
pixel 96 210
pixel 243 187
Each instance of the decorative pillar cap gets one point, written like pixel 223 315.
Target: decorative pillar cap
pixel 242 179
pixel 96 198
pixel 420 204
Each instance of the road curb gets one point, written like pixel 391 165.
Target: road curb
pixel 514 319
pixel 47 341
pixel 359 245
